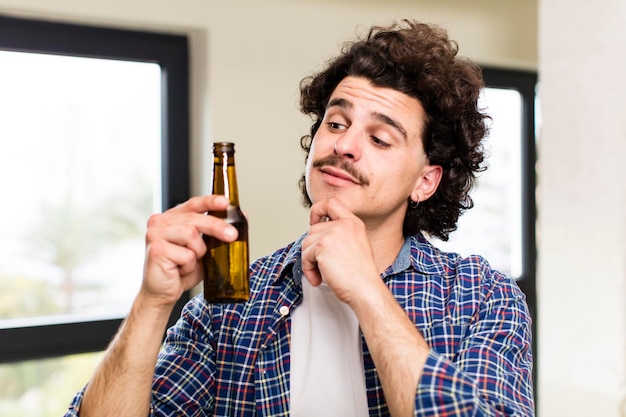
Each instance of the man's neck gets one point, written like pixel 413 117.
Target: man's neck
pixel 385 247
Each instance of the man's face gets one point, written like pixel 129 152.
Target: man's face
pixel 368 152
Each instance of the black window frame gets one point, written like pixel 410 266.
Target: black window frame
pixel 170 52
pixel 525 82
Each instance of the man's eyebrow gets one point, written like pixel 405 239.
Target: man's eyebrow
pixel 391 122
pixel 339 102
pixel 346 104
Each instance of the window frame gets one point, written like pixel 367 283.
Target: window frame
pixel 525 82
pixel 170 51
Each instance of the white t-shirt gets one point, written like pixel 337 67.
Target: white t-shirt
pixel 327 377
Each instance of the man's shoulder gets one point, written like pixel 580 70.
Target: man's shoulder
pixel 471 274
pixel 429 258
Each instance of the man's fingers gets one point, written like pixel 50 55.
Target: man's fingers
pixel 185 228
pixel 202 204
pixel 180 235
pixel 309 266
pixel 330 209
pixel 313 275
pixel 170 257
pixel 218 229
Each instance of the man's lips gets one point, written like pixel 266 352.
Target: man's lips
pixel 338 173
pixel 337 167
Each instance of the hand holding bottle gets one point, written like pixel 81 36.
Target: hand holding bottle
pixel 175 247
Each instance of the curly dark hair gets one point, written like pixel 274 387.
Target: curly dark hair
pixel 419 60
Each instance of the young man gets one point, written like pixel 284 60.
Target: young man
pixel 361 315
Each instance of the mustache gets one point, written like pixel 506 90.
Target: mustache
pixel 339 162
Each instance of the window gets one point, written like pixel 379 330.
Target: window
pixel 93 138
pixel 85 169
pixel 501 226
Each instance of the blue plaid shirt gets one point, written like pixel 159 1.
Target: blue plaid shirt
pixel 228 360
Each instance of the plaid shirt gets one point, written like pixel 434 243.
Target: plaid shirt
pixel 233 360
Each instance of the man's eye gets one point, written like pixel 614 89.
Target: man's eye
pixel 379 142
pixel 335 126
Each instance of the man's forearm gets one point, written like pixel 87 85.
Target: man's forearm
pixel 397 348
pixel 122 383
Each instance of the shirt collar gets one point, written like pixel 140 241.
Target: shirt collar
pixel 416 252
pixel 419 254
pixel 292 262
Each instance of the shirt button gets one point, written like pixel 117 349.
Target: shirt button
pixel 283 310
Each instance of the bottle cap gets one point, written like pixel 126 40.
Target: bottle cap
pixel 224 146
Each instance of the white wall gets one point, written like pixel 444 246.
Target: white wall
pixel 582 207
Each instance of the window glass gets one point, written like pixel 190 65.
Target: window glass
pixel 79 174
pixel 493 227
pixel 42 388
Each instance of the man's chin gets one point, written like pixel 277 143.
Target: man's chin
pixel 345 200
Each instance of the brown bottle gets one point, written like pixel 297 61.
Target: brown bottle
pixel 226 264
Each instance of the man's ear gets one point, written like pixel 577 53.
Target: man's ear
pixel 428 183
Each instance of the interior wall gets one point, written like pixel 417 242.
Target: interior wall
pixel 248 58
pixel 582 208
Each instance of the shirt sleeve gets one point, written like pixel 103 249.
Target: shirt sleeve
pixel 490 375
pixel 74 407
pixel 184 381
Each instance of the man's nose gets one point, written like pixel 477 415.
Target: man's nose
pixel 349 144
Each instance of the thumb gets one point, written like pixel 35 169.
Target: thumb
pixel 311 272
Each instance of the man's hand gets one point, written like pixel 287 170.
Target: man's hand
pixel 174 246
pixel 337 251
pixel 123 381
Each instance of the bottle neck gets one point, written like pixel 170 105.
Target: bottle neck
pixel 225 177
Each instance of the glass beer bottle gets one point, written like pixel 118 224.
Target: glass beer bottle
pixel 226 264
